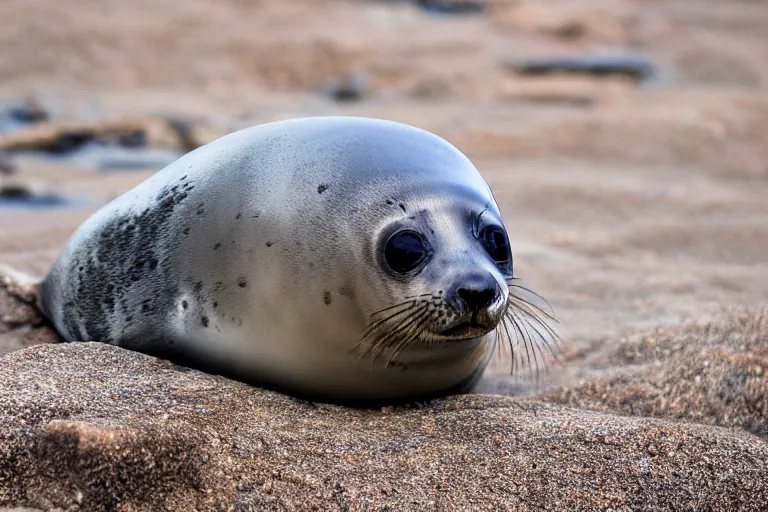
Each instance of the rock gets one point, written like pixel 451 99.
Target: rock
pixel 714 373
pixel 17 194
pixel 350 88
pixel 21 324
pixel 6 165
pixel 95 427
pixel 28 111
pixel 15 191
pixel 89 426
pixel 453 6
pixel 447 6
pixel 137 143
pixel 636 67
pixel 65 137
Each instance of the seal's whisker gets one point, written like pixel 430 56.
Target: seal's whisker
pixel 381 343
pixel 524 307
pixel 534 347
pixel 373 327
pixel 414 314
pixel 522 335
pixel 406 341
pixel 549 314
pixel 530 344
pixel 518 337
pixel 420 296
pixel 401 304
pixel 513 356
pixel 375 324
pixel 542 342
pixel 545 341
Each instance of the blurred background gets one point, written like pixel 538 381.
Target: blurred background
pixel 626 141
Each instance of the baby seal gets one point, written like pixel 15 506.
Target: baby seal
pixel 340 259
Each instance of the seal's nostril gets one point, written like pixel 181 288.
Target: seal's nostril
pixel 477 298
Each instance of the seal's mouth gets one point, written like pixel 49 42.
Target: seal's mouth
pixel 466 330
pixel 479 323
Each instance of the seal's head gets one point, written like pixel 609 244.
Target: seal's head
pixel 421 257
pixel 446 267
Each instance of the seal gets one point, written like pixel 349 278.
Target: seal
pixel 342 259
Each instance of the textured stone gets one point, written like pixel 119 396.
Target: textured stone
pixel 715 373
pixel 88 426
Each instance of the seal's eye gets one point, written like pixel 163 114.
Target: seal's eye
pixel 495 242
pixel 405 250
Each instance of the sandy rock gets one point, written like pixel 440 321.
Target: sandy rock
pixel 714 373
pixel 21 325
pixel 88 426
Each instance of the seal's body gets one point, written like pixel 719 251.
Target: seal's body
pixel 344 259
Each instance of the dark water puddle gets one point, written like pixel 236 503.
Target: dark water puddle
pixel 13 197
pixel 20 114
pixel 93 155
pixel 108 147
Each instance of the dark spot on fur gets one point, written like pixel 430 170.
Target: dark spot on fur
pixel 238 215
pixel 216 247
pixel 269 244
pixel 402 206
pixel 121 253
pixel 347 291
pixel 184 304
pixel 200 209
pixel 198 287
pixel 204 321
pixel 327 297
pixel 242 283
pixel 215 304
pixel 390 202
pixel 322 188
pixel 185 231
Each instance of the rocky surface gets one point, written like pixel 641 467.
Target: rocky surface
pixel 21 325
pixel 92 427
pixel 714 373
pixel 88 426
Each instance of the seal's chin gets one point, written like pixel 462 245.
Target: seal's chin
pixel 466 330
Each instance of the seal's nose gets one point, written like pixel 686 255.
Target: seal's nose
pixel 477 297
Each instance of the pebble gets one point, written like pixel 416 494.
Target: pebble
pixel 632 65
pixel 350 88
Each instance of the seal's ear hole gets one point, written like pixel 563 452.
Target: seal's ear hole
pixel 495 241
pixel 405 251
